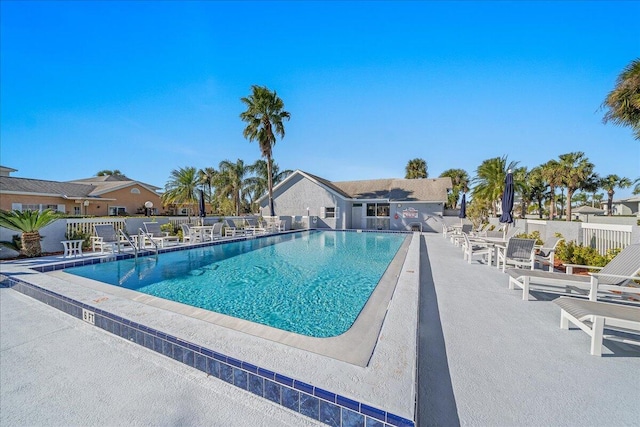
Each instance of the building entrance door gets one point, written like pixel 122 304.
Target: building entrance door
pixel 356 216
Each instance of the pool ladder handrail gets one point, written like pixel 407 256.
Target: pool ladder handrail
pixel 128 239
pixel 143 236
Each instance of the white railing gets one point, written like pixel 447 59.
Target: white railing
pixel 606 236
pixel 84 226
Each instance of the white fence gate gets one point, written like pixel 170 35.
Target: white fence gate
pixel 606 236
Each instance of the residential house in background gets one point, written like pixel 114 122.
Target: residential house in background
pixel 379 204
pixel 108 195
pixel 630 206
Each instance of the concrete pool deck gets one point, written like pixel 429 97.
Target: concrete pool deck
pixel 485 358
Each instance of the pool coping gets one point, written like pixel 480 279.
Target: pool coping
pixel 354 346
pixel 314 385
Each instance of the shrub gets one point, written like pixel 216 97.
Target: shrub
pixel 571 253
pixel 79 235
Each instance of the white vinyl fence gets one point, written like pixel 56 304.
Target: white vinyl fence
pixel 606 236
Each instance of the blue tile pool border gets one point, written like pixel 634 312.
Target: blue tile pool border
pixel 314 402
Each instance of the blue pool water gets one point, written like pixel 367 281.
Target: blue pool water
pixel 313 283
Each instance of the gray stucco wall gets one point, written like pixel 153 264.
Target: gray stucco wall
pixel 301 197
pixel 429 215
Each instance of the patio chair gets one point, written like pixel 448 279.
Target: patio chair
pixel 473 248
pixel 594 316
pixel 616 279
pixel 456 237
pixel 546 254
pixel 216 232
pixel 186 233
pixel 517 252
pixel 106 237
pixel 157 235
pixel 232 230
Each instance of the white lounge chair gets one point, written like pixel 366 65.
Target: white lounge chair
pixel 614 279
pixel 594 316
pixel 546 254
pixel 518 252
pixel 472 248
pixel 106 237
pixel 186 233
pixel 232 230
pixel 157 235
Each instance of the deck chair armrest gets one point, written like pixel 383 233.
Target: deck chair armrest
pixel 615 276
pixel 570 267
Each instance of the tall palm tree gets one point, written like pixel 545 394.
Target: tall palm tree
pixel 460 180
pixel 264 117
pixel 552 175
pixel 416 168
pixel 231 181
pixel 206 178
pixel 623 102
pixel 522 187
pixel 181 189
pixel 258 184
pixel 577 173
pixel 609 183
pixel 29 223
pixel 489 180
pixel 636 183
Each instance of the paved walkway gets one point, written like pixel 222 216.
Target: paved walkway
pixel 92 378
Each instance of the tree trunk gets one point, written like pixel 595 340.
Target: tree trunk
pixel 270 184
pixel 609 203
pixel 569 196
pixel 31 244
pixel 552 204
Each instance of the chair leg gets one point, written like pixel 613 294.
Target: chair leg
pixel 597 333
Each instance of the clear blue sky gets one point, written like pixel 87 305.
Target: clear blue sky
pixel 149 87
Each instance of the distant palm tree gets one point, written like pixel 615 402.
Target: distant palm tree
pixel 636 189
pixel 258 184
pixel 181 189
pixel 29 223
pixel 609 183
pixel 230 181
pixel 107 172
pixel 552 175
pixel 264 116
pixel 460 180
pixel 206 178
pixel 489 180
pixel 577 173
pixel 537 188
pixel 623 102
pixel 416 168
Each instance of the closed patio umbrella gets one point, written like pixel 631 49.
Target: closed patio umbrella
pixel 463 207
pixel 203 211
pixel 507 200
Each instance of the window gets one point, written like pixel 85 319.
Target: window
pixel 26 207
pixel 330 212
pixel 378 209
pixel 135 191
pixel 117 210
pixel 77 210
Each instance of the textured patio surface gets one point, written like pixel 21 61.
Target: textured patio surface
pixel 486 358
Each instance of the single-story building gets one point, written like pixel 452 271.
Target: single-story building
pixel 379 204
pixel 630 206
pixel 97 196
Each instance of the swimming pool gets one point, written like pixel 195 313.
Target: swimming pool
pixel 313 283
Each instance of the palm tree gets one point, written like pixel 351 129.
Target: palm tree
pixel 181 189
pixel 206 178
pixel 623 102
pixel 577 173
pixel 460 180
pixel 107 172
pixel 489 180
pixel 264 116
pixel 29 223
pixel 552 175
pixel 258 184
pixel 523 188
pixel 636 189
pixel 416 168
pixel 609 183
pixel 231 182
pixel 537 188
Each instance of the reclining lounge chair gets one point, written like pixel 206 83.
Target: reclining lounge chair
pixel 614 278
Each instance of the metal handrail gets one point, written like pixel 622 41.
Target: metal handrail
pixel 128 239
pixel 143 236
